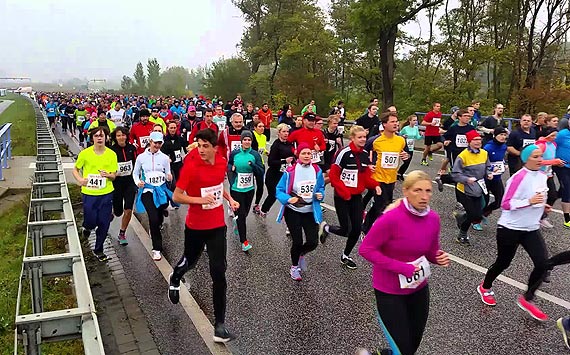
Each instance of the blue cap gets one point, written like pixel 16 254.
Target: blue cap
pixel 527 151
pixel 156 137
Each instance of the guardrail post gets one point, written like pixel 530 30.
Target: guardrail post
pixel 31 338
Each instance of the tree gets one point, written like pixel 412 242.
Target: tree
pixel 153 75
pixel 227 77
pixel 174 81
pixel 140 79
pixel 127 84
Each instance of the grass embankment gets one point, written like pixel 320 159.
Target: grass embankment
pixel 21 114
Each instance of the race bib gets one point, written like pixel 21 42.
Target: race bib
pixel 221 125
pixel 144 141
pixel 51 109
pixel 332 144
pixel 340 129
pixel 349 177
pixel 461 141
pixel 155 178
pixel 177 156
pixel 481 183
pixel 389 160
pixel 235 145
pixel 410 143
pixel 527 142
pixel 244 180
pixel 498 167
pixel 96 182
pixel 217 192
pixel 419 276
pixel 125 168
pixel 199 114
pixel 80 118
pixel 436 121
pixel 315 157
pixel 306 189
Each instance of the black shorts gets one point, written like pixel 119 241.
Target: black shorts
pixel 429 140
pixel 123 196
pixel 51 120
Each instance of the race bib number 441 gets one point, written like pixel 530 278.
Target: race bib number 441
pixel 419 276
pixel 96 182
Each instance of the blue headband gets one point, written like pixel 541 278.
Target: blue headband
pixel 527 151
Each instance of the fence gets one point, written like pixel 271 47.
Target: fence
pixel 508 120
pixel 49 198
pixel 5 147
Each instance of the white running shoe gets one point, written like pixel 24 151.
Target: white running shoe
pixel 156 255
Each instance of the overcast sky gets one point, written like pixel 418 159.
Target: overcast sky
pixel 50 40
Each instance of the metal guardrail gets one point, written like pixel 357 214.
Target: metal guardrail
pixel 5 147
pixel 50 196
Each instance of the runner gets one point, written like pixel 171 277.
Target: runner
pixel 281 156
pixel 102 121
pixel 546 144
pixel 51 113
pixel 98 165
pixel 491 122
pixel 334 143
pixel 300 191
pixel 140 132
pixel 496 150
pixel 369 120
pixel 117 115
pixel 410 132
pixel 124 185
pixel 563 172
pixel 259 144
pixel 519 224
pixel 157 119
pixel 81 116
pixel 201 187
pixel 206 123
pixel 432 121
pixel 244 166
pixel 175 147
pixel 469 171
pixel 400 246
pixel 390 149
pixel 350 175
pixel 151 172
pixel 518 139
pixel 314 138
pixel 266 117
pixel 220 119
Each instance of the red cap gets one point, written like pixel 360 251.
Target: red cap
pixel 472 135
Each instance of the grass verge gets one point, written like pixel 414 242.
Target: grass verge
pixel 21 115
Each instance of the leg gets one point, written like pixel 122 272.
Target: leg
pixel 507 244
pixel 355 214
pixel 342 212
pixel 393 318
pixel 293 221
pixel 271 184
pixel 194 241
pixel 498 190
pixel 216 243
pixel 104 214
pixel 258 192
pixel 129 199
pixel 154 220
pixel 311 229
pixel 89 212
pixel 473 209
pixel 534 245
pixel 406 164
pixel 418 311
pixel 367 198
pixel 267 133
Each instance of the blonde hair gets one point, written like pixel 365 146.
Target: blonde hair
pixel 335 118
pixel 282 126
pixel 356 129
pixel 414 177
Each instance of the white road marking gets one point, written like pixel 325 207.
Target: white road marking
pixel 556 300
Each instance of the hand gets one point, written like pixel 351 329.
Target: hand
pixel 317 148
pixel 538 198
pixel 82 182
pixel 378 190
pixel 404 155
pixel 490 177
pixel 103 173
pixel 442 258
pixel 234 205
pixel 471 180
pixel 293 200
pixel 168 177
pixel 208 200
pixel 233 168
pixel 547 208
pixel 372 168
pixel 417 268
pixel 289 160
pixel 446 143
pixel 319 196
pixel 136 145
pixel 140 184
pixel 559 162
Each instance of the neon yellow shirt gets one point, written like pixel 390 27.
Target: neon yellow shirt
pixel 159 121
pixel 90 163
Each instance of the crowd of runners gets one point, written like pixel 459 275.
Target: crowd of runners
pixel 155 154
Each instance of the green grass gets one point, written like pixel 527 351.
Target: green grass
pixel 21 115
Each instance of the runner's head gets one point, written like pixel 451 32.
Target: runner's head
pixel 526 122
pixel 207 140
pixel 154 112
pixel 436 107
pixel 464 116
pixel 309 119
pixel 531 156
pixel 333 122
pixel 474 139
pixel 551 121
pixel 500 135
pixel 144 115
pixel 476 104
pixel 157 128
pixel 282 131
pixel 259 127
pixel 319 123
pixel 191 112
pixel 372 109
pixel 208 115
pixel 219 110
pixel 411 120
pixel 99 135
pixel 390 122
pixel 541 118
pixel 237 121
pixel 299 121
pixel 101 115
pixel 120 136
pixel 172 128
pixel 304 153
pixel 358 136
pixel 246 139
pixel 156 139
pixel 498 110
pixel 417 189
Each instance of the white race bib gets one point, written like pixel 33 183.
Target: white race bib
pixel 315 157
pixel 125 168
pixel 389 160
pixel 217 192
pixel 498 167
pixel 235 145
pixel 340 129
pixel 199 114
pixel 155 178
pixel 80 118
pixel 96 182
pixel 410 143
pixel 51 109
pixel 306 189
pixel 436 121
pixel 481 183
pixel 221 125
pixel 461 141
pixel 144 141
pixel 527 142
pixel 244 180
pixel 177 156
pixel 284 167
pixel 349 177
pixel 419 276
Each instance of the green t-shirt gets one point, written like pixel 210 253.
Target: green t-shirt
pixel 90 163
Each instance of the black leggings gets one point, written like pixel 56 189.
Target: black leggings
pixel 244 199
pixel 349 215
pixel 258 190
pixel 473 209
pixel 271 180
pixel 297 222
pixel 403 319
pixel 155 219
pixel 406 164
pixel 508 240
pixel 215 240
pixel 496 188
pixel 380 203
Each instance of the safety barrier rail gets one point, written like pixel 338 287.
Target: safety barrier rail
pixel 51 216
pixel 5 147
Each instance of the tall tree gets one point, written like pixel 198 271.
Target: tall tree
pixel 127 84
pixel 226 77
pixel 174 81
pixel 153 75
pixel 140 79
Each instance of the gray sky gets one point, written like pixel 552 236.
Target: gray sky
pixel 50 40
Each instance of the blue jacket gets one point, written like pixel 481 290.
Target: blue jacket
pixel 563 146
pixel 496 152
pixel 161 196
pixel 285 185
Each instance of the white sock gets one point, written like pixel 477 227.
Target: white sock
pixel 345 256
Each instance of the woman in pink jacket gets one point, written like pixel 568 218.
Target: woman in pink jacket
pixel 401 245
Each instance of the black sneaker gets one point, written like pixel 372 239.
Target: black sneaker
pixel 458 218
pixel 462 238
pixel 439 183
pixel 173 291
pixel 101 256
pixel 222 334
pixel 348 262
pixel 323 234
pixel 165 213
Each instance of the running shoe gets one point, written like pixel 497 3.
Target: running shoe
pixel 531 309
pixel 245 246
pixel 262 214
pixel 323 233
pixel 462 238
pixel 439 183
pixel 222 334
pixel 295 273
pixel 484 221
pixel 545 223
pixel 567 224
pixel 156 256
pixel 123 239
pixel 100 256
pixel 564 326
pixel 348 262
pixel 302 263
pixel 477 227
pixel 173 290
pixel 256 209
pixel 424 163
pixel 487 295
pixel 430 157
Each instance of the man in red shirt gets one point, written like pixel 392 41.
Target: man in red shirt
pixel 206 123
pixel 313 137
pixel 266 116
pixel 432 122
pixel 140 132
pixel 201 187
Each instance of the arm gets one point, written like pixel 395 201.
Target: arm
pixel 319 186
pixel 457 173
pixel 281 189
pixel 273 158
pixel 339 188
pixel 511 200
pixel 258 167
pixel 77 175
pixel 180 196
pixel 511 150
pixel 137 171
pixel 230 171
